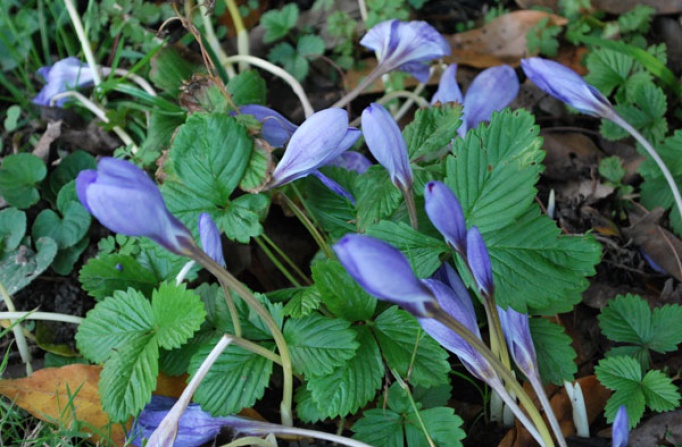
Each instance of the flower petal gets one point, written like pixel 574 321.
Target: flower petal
pixel 210 238
pixel 446 214
pixel 352 161
pixel 479 261
pixel 448 89
pixel 493 89
pixel 516 328
pixel 620 431
pixel 277 130
pixel 66 74
pixel 333 186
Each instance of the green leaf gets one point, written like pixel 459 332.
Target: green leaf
pixel 353 384
pixel 335 214
pixel 304 301
pixel 247 87
pixel 287 56
pixel 659 391
pixel 21 266
pixel 608 69
pixel 319 344
pixel 422 251
pixel 399 334
pixel 66 231
pixel 432 129
pixel 340 293
pixel 667 330
pixel 103 276
pixel 164 264
pixel 277 24
pixel 68 170
pixel 114 323
pixel 169 69
pixel 235 381
pixel 129 377
pixel 442 424
pixel 612 169
pixel 66 258
pixel 556 356
pixel 377 198
pixel 645 111
pixel 20 174
pixel 380 427
pixel 310 46
pixel 493 171
pixel 178 313
pixel 241 220
pixel 12 228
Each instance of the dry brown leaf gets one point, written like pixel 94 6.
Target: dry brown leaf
pixel 502 40
pixel 52 394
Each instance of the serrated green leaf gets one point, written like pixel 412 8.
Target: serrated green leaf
pixel 169 69
pixel 319 344
pixel 241 221
pixel 626 319
pixel 493 171
pixel 303 302
pixel 442 424
pixel 102 276
pixel 660 392
pixel 634 404
pixel 352 385
pixel 639 353
pixel 277 24
pixel 235 381
pixel 176 361
pixel 164 265
pixel 12 228
pixel 432 129
pixel 256 174
pixel 399 334
pixel 310 45
pixel 380 427
pixel 21 266
pixel 129 377
pixel 19 176
pixel 340 293
pixel 422 251
pixel 608 69
pixel 377 198
pixel 556 356
pixel 247 87
pixel 612 169
pixel 178 313
pixel 66 230
pixel 619 372
pixel 114 323
pixel 667 330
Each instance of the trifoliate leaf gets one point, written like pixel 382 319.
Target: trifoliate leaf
pixel 340 293
pixel 114 323
pixel 277 24
pixel 353 384
pixel 178 313
pixel 644 110
pixel 377 196
pixel 608 69
pixel 432 129
pixel 103 276
pixel 20 174
pixel 235 381
pixel 556 356
pixel 129 377
pixel 319 344
pixel 402 339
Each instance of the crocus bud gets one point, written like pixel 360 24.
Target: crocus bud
pixel 479 261
pixel 448 89
pixel 321 138
pixel 125 200
pixel 406 46
pixel 620 431
pixel 66 74
pixel 446 214
pixel 386 143
pixel 383 271
pixel 210 238
pixel 276 130
pixel 568 86
pixel 516 328
pixel 352 161
pixel 457 303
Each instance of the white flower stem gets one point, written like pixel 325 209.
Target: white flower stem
pixel 83 38
pixel 139 80
pixel 549 412
pixel 43 316
pixel 212 40
pixel 242 33
pixel 22 344
pixel 279 72
pixel 370 79
pixel 500 391
pixel 575 395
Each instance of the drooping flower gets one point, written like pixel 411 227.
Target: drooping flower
pixel 320 139
pixel 352 161
pixel 568 86
pixel 479 261
pixel 210 238
pixel 276 130
pixel 446 214
pixel 383 271
pixel 387 145
pixel 64 75
pixel 493 89
pixel 620 431
pixel 454 299
pixel 125 200
pixel 516 328
pixel 406 46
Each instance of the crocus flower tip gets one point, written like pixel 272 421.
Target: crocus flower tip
pixel 445 212
pixel 479 261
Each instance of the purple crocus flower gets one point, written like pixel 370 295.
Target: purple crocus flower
pixel 493 89
pixel 446 214
pixel 479 261
pixel 387 145
pixel 277 130
pixel 351 161
pixel 64 75
pixel 320 139
pixel 620 430
pixel 125 200
pixel 195 426
pixel 406 46
pixel 383 271
pixel 210 238
pixel 516 328
pixel 568 86
pixel 454 299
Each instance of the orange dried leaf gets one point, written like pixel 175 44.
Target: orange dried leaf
pixel 54 394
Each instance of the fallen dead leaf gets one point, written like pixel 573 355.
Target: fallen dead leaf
pixel 55 394
pixel 570 155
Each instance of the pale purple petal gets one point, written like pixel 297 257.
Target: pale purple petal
pixel 125 200
pixel 516 328
pixel 406 46
pixel 479 261
pixel 621 426
pixel 352 161
pixel 333 186
pixel 566 85
pixel 493 89
pixel 66 74
pixel 383 271
pixel 446 214
pixel 320 139
pixel 387 145
pixel 448 89
pixel 210 238
pixel 277 130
